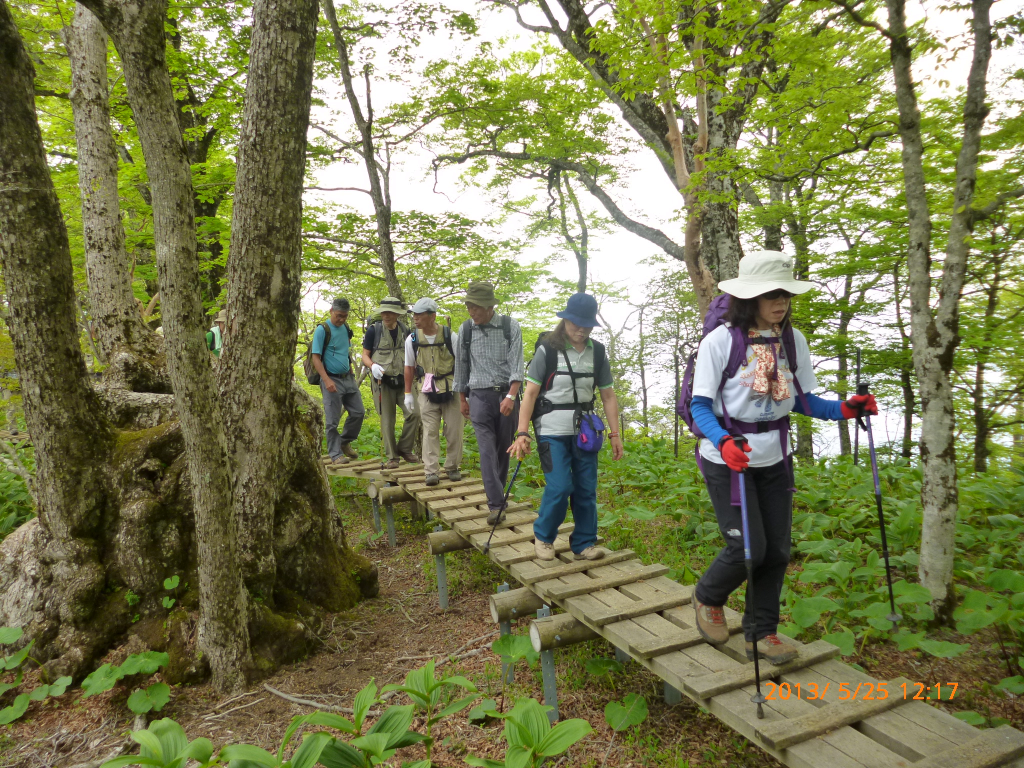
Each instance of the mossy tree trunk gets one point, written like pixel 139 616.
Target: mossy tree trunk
pixel 142 486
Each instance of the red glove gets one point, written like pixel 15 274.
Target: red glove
pixel 735 459
pixel 858 405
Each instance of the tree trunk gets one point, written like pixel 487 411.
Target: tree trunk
pixel 934 334
pixel 843 377
pixel 265 272
pixel 720 231
pixel 36 261
pixel 117 321
pixel 906 372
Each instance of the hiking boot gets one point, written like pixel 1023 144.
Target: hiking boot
pixel 495 516
pixel 590 553
pixel 454 475
pixel 544 550
pixel 431 479
pixel 392 464
pixel 349 451
pixel 338 460
pixel 772 649
pixel 711 623
pixel 412 458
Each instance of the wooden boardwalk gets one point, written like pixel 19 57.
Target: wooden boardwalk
pixel 641 612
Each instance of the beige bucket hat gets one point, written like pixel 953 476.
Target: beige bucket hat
pixel 391 304
pixel 764 272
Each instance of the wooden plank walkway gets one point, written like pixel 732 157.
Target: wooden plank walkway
pixel 642 612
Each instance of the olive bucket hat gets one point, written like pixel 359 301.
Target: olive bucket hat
pixel 481 293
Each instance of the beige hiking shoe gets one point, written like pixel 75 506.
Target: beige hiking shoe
pixel 590 553
pixel 772 649
pixel 496 516
pixel 544 550
pixel 339 460
pixel 711 623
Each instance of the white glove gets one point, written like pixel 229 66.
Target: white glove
pixel 378 371
pixel 408 401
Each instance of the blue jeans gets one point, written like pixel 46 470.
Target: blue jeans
pixel 568 471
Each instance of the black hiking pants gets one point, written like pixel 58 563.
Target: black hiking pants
pixel 770 517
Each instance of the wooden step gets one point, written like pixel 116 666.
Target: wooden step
pixel 480 510
pixel 515 536
pixel 789 732
pixel 527 576
pixel 684 638
pixel 994 747
pixel 712 685
pixel 426 492
pixel 469 527
pixel 464 500
pixel 638 608
pixel 607 582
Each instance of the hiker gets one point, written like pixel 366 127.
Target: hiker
pixel 753 399
pixel 330 351
pixel 488 378
pixel 215 336
pixel 568 368
pixel 430 366
pixel 384 355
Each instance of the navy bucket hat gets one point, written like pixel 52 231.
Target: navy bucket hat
pixel 581 309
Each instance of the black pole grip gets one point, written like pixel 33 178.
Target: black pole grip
pixel 862 389
pixel 740 441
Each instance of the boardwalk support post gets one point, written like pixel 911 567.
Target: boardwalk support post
pixel 505 627
pixel 547 668
pixel 389 513
pixel 442 577
pixel 376 515
pixel 672 695
pixel 621 656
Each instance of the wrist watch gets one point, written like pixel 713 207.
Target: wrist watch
pixel 510 397
pixel 523 434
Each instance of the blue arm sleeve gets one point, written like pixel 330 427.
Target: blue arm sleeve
pixel 828 410
pixel 704 417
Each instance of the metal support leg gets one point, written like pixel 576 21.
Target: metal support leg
pixel 376 515
pixel 442 578
pixel 547 668
pixel 621 656
pixel 505 627
pixel 389 513
pixel 672 696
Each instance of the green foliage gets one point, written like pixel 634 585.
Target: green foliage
pixel 149 699
pixel 624 714
pixel 513 648
pixel 530 737
pixel 16 663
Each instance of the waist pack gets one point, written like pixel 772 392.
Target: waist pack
pixel 393 382
pixel 589 426
pixel 430 390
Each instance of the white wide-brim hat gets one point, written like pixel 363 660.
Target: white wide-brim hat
pixel 764 272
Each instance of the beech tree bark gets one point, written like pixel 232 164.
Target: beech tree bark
pixel 117 320
pixel 265 271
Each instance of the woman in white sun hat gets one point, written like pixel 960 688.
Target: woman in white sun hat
pixel 744 384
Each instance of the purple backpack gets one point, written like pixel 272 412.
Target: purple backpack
pixel 737 355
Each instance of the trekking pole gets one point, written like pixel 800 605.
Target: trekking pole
pixel 862 389
pixel 758 698
pixel 856 423
pixel 504 503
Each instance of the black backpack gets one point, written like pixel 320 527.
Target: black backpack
pixel 466 337
pixel 551 366
pixel 378 332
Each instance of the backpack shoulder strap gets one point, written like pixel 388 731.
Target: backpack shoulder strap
pixel 506 328
pixel 447 333
pixel 378 331
pixel 737 353
pixel 600 355
pixel 327 335
pixel 789 345
pixel 550 365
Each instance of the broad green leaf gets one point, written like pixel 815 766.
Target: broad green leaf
pixel 532 718
pixel 463 682
pixel 172 582
pixel 159 694
pixel 374 743
pixel 40 693
pixel 409 738
pixel 248 752
pixel 943 649
pixel 1014 685
pixel 844 641
pixel 479 712
pixel 172 736
pixel 199 750
pixel 139 702
pixel 971 718
pixel 393 723
pixel 150 745
pixel 1006 580
pixel 331 720
pixel 456 706
pixel 100 680
pixel 807 610
pixel 121 762
pixel 511 648
pixel 906 641
pixel 600 667
pixel 338 754
pixel 58 687
pixel 145 663
pixel 566 733
pixel 518 757
pixel 481 762
pixel 10 635
pixel 417 764
pixel 365 699
pixel 17 659
pixel 168 602
pixel 15 710
pixel 631 711
pixel 309 750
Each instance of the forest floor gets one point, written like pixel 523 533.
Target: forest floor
pixel 403 628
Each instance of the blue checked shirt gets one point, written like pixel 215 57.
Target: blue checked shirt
pixel 494 362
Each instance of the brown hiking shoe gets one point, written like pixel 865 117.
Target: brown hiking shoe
pixel 339 460
pixel 392 464
pixel 772 649
pixel 412 458
pixel 493 518
pixel 349 451
pixel 711 623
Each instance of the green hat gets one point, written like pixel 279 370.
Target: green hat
pixel 481 293
pixel 391 304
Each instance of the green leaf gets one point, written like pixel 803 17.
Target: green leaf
pixel 518 757
pixel 172 582
pixel 150 745
pixel 512 648
pixel 393 723
pixel 199 750
pixel 309 750
pixel 481 762
pixel 58 687
pixel 971 718
pixel 807 610
pixel 248 752
pixel 844 641
pixel 906 641
pixel 168 602
pixel 479 712
pixel 566 733
pixel 40 693
pixel 943 649
pixel 374 743
pixel 456 706
pixel 1014 685
pixel 144 663
pixel 16 710
pixel 159 694
pixel 121 762
pixel 1003 580
pixel 532 719
pixel 417 764
pixel 10 635
pixel 463 682
pixel 100 680
pixel 600 667
pixel 365 699
pixel 172 736
pixel 17 659
pixel 139 702
pixel 338 754
pixel 331 720
pixel 631 711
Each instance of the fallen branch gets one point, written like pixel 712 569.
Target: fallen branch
pixel 318 705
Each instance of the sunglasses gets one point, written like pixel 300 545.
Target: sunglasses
pixel 776 294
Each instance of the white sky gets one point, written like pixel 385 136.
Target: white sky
pixel 644 192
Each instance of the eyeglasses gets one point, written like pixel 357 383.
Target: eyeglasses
pixel 776 294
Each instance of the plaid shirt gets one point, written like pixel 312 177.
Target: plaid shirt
pixel 493 363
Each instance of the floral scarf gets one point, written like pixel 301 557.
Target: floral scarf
pixel 767 373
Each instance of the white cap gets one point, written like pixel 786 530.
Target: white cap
pixel 764 272
pixel 424 305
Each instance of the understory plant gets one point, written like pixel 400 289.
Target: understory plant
pixel 15 664
pixel 531 738
pixel 152 698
